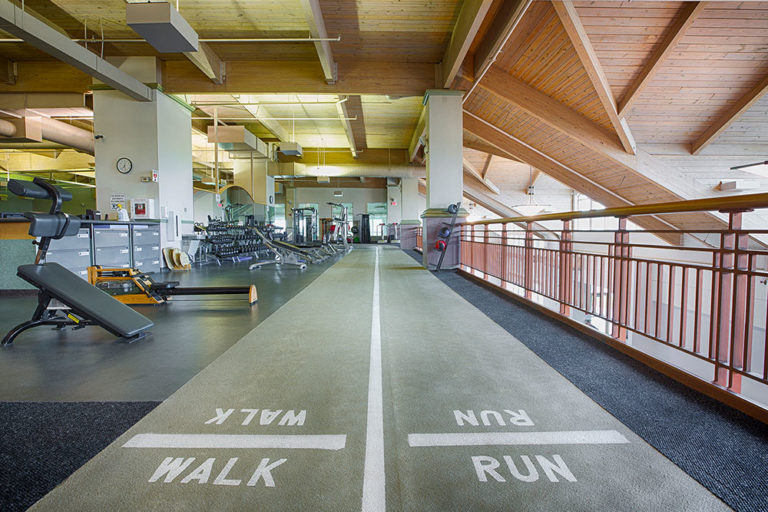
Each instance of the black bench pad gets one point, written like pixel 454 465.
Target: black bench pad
pixel 84 299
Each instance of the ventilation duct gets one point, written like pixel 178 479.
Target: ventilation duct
pixel 162 26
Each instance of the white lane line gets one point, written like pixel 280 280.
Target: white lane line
pixel 374 496
pixel 307 442
pixel 518 438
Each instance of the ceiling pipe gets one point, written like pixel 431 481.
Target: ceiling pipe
pixel 223 40
pixel 53 131
pixel 7 128
pixel 68 135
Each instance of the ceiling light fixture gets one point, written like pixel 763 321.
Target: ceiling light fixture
pixel 757 168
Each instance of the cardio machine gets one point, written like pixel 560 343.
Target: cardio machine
pixel 83 303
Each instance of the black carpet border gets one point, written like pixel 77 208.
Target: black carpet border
pixel 43 443
pixel 722 448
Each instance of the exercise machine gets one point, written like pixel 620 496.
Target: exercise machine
pixel 283 252
pixel 338 232
pixel 83 303
pixel 304 222
pixel 131 286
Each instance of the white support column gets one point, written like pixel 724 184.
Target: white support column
pixel 445 171
pixel 155 136
pixel 410 209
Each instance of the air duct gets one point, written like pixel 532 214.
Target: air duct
pixel 68 135
pixel 36 129
pixel 7 128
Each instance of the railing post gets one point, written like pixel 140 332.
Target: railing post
pixel 504 262
pixel 566 268
pixel 486 250
pixel 731 303
pixel 621 255
pixel 472 247
pixel 528 259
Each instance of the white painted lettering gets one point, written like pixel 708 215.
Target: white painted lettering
pixel 264 471
pixel 558 466
pixel 519 418
pixel 171 468
pixel 268 416
pixel 532 475
pixel 250 416
pixel 291 418
pixel 469 417
pixel 220 417
pixel 201 474
pixel 222 478
pixel 484 416
pixel 486 465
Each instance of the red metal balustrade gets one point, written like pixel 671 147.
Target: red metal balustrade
pixel 419 240
pixel 701 306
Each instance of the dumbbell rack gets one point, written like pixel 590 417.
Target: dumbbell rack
pixel 229 240
pixel 453 209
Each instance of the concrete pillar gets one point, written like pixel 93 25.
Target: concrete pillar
pixel 445 174
pixel 156 137
pixel 411 205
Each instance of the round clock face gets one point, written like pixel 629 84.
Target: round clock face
pixel 124 165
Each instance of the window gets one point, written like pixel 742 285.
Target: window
pixel 279 217
pixel 378 216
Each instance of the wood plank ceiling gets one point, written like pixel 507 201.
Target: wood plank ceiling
pixel 722 56
pixel 570 88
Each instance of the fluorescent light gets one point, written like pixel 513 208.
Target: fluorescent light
pixel 758 168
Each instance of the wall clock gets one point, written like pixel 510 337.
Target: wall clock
pixel 124 165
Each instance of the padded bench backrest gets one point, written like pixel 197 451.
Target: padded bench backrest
pixel 54 225
pixel 85 299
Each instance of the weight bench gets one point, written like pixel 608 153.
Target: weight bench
pixel 87 305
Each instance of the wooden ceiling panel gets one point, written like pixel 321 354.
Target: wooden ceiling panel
pixel 403 31
pixel 625 35
pixel 390 122
pixel 550 63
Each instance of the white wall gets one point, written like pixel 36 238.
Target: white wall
pixel 129 129
pixel 359 197
pixel 394 212
pixel 205 205
pixel 154 135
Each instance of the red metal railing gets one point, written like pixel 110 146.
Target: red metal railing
pixel 419 240
pixel 702 307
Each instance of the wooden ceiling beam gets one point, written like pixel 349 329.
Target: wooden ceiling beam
pixel 418 135
pixel 470 18
pixel 487 165
pixel 471 171
pixel 504 23
pixel 566 11
pixel 556 115
pixel 8 71
pixel 733 113
pixel 350 111
pixel 314 16
pixel 676 32
pixel 209 63
pixel 519 150
pixel 301 77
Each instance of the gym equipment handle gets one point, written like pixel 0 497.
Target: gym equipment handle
pixel 33 191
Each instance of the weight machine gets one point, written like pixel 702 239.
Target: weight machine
pixel 304 223
pixel 339 232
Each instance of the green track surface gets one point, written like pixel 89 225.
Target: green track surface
pixel 439 355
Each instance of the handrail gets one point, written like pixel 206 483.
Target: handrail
pixel 727 203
